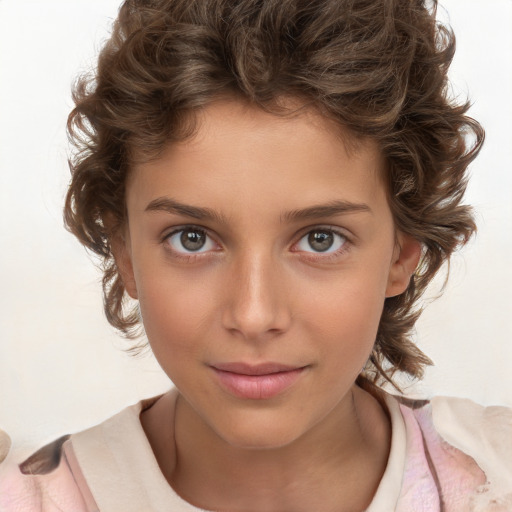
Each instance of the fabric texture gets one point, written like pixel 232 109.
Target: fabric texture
pixel 447 455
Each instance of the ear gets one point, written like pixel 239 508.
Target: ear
pixel 121 250
pixel 405 260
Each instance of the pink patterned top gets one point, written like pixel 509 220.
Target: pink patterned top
pixel 447 455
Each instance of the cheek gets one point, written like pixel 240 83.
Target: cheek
pixel 175 310
pixel 345 313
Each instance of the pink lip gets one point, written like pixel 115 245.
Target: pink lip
pixel 256 382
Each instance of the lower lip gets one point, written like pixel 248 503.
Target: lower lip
pixel 258 387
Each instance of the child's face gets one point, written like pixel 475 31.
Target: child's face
pixel 262 242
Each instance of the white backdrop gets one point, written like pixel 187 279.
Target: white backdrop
pixel 62 367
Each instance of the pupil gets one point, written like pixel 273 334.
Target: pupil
pixel 320 240
pixel 193 240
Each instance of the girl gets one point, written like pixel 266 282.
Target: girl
pixel 274 184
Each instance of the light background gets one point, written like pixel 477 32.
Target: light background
pixel 62 367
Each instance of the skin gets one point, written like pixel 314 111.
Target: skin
pixel 260 291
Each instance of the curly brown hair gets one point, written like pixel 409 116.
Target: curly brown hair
pixel 377 67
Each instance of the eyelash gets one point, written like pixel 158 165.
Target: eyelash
pixel 188 256
pixel 325 256
pixel 308 255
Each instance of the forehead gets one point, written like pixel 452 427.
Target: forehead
pixel 291 117
pixel 241 150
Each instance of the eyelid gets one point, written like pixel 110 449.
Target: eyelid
pixel 182 227
pixel 345 233
pixel 323 256
pixel 312 255
pixel 189 254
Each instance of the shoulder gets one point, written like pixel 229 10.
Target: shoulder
pixel 44 482
pixel 485 433
pixel 466 444
pixel 119 466
pixel 52 479
pixel 466 421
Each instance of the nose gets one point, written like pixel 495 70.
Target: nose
pixel 256 307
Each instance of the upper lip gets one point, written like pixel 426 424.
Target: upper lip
pixel 255 369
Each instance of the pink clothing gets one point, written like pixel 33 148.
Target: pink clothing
pixel 447 455
pixel 57 491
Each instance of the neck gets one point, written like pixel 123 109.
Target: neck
pixel 336 465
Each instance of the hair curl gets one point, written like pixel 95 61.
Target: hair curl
pixel 378 67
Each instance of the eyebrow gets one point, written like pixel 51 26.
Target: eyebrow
pixel 333 208
pixel 166 204
pixel 326 210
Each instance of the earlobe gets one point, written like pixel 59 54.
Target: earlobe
pixel 405 261
pixel 123 259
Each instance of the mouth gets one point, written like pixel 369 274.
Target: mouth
pixel 257 382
